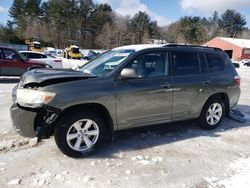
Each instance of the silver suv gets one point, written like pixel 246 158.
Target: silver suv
pixel 124 88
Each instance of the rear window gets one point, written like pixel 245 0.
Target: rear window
pixel 215 62
pixel 185 63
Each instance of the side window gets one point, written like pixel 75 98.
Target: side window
pixel 9 54
pixel 185 63
pixel 215 62
pixel 150 65
pixel 34 56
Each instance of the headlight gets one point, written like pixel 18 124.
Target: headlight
pixel 32 98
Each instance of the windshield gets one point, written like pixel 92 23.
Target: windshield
pixel 75 50
pixel 107 62
pixel 22 56
pixel 37 46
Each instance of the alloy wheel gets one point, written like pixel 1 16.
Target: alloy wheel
pixel 82 135
pixel 214 114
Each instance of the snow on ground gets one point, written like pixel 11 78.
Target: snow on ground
pixel 72 63
pixel 237 175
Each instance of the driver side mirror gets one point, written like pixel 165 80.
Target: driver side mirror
pixel 128 73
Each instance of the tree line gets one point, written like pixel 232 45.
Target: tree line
pixel 92 25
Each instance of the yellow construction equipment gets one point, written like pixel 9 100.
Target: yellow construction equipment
pixel 72 52
pixel 34 45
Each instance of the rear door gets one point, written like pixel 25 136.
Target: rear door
pixel 190 83
pixel 148 99
pixel 11 64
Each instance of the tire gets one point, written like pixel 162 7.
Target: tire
pixel 78 134
pixel 212 114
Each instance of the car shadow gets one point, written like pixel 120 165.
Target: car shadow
pixel 9 80
pixel 147 137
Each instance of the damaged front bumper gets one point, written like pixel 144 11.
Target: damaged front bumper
pixel 38 122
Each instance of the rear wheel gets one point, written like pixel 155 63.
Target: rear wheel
pixel 212 114
pixel 78 134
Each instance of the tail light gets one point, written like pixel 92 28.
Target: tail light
pixel 237 80
pixel 58 60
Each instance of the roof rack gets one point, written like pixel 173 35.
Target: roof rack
pixel 190 45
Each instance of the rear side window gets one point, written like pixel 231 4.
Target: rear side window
pixel 215 62
pixel 185 63
pixel 34 55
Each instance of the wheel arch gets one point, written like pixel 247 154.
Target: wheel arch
pixel 222 96
pixel 93 107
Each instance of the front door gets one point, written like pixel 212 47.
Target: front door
pixel 147 99
pixel 11 64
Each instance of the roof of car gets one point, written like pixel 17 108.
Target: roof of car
pixel 32 52
pixel 138 47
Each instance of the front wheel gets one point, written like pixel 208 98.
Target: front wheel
pixel 78 134
pixel 212 114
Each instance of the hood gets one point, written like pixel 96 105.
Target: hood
pixel 43 77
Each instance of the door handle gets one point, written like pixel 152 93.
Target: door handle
pixel 206 82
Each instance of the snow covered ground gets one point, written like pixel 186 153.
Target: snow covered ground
pixel 172 155
pixel 72 63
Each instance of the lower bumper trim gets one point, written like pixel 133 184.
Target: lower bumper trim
pixel 23 121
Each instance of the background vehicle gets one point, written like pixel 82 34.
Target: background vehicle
pixel 53 52
pixel 247 64
pixel 90 54
pixel 34 45
pixel 72 52
pixel 14 64
pixel 124 88
pixel 54 62
pixel 236 64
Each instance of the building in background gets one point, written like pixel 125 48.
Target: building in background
pixel 237 49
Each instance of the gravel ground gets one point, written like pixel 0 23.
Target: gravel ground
pixel 172 155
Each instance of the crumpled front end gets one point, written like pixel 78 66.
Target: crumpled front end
pixel 32 122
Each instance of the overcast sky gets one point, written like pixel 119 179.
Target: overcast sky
pixel 163 11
